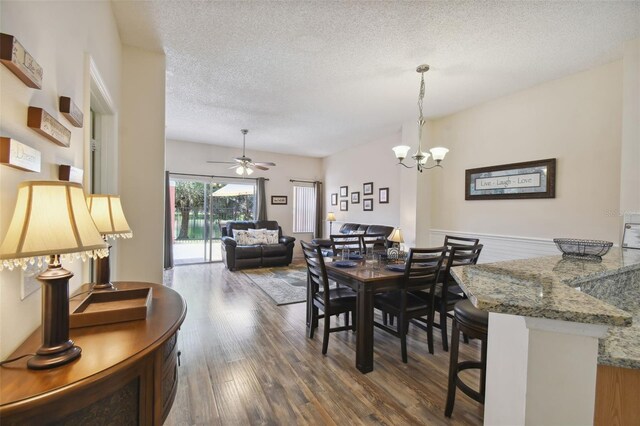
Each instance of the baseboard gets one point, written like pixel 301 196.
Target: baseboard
pixel 502 247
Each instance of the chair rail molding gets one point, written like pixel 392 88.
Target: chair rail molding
pixel 502 247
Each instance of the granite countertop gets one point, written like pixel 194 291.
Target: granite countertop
pixel 606 292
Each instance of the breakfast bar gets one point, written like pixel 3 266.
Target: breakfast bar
pixel 554 324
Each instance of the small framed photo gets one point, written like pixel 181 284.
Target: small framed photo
pixel 279 199
pixel 355 198
pixel 334 199
pixel 344 191
pixel 367 204
pixel 367 188
pixel 344 205
pixel 383 195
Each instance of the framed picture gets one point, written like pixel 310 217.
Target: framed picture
pixel 334 199
pixel 531 179
pixel 367 188
pixel 344 205
pixel 383 195
pixel 631 237
pixel 367 204
pixel 279 199
pixel 344 191
pixel 355 198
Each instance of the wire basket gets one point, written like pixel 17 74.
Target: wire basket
pixel 582 249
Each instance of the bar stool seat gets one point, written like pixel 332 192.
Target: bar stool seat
pixel 474 323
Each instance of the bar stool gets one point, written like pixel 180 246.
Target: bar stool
pixel 474 323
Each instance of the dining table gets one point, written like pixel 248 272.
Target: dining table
pixel 366 280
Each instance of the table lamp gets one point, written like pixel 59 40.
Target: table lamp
pixel 106 211
pixel 396 237
pixel 51 223
pixel 331 217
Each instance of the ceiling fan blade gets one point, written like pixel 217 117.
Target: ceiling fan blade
pixel 265 163
pixel 220 162
pixel 260 167
pixel 235 166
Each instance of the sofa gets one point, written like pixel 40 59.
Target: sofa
pixel 356 228
pixel 236 256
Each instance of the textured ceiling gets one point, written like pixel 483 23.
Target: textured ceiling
pixel 313 78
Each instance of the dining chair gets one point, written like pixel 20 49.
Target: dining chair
pixel 342 242
pixel 373 242
pixel 452 240
pixel 332 301
pixel 448 292
pixel 421 270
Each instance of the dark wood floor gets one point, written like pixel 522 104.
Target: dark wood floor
pixel 247 361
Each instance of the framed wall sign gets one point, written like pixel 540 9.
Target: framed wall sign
pixel 355 198
pixel 383 195
pixel 19 156
pixel 367 188
pixel 279 199
pixel 531 179
pixel 18 60
pixel 344 191
pixel 367 204
pixel 334 199
pixel 44 123
pixel 344 205
pixel 631 236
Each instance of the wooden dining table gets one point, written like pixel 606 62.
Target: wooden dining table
pixel 366 281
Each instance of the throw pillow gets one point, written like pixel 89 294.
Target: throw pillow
pixel 272 237
pixel 242 237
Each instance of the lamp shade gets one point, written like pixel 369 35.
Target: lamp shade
pixel 106 211
pixel 396 236
pixel 439 153
pixel 50 218
pixel 401 151
pixel 331 217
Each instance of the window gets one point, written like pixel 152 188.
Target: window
pixel 304 208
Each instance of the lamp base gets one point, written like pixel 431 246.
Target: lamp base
pixel 43 360
pixel 104 286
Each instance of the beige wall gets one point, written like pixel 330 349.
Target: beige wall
pixel 44 29
pixel 372 162
pixel 630 158
pixel 577 120
pixel 141 159
pixel 190 157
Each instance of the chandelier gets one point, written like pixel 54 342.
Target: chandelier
pixel 420 156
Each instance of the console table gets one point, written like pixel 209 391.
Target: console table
pixel 127 373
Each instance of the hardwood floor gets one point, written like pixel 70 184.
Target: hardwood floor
pixel 247 361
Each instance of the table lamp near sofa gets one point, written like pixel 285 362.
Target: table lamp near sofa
pixel 331 217
pixel 51 223
pixel 106 211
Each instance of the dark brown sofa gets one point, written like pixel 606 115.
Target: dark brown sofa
pixel 236 256
pixel 350 228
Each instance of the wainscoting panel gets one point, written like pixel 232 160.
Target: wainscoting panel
pixel 502 247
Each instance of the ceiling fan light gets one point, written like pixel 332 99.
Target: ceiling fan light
pixel 439 153
pixel 401 151
pixel 240 170
pixel 249 171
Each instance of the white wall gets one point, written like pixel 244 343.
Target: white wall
pixel 190 157
pixel 141 157
pixel 57 35
pixel 630 156
pixel 576 119
pixel 371 162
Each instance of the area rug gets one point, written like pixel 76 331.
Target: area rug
pixel 285 285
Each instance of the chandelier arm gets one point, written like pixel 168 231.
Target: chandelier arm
pixel 408 167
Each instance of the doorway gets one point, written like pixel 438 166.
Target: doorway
pixel 200 206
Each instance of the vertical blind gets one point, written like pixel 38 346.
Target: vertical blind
pixel 304 208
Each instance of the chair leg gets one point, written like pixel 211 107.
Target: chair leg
pixel 465 338
pixel 483 372
pixel 443 329
pixel 391 317
pixel 385 318
pixel 453 369
pixel 325 337
pixel 402 328
pixel 430 319
pixel 314 321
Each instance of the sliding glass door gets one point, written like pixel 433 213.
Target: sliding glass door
pixel 200 207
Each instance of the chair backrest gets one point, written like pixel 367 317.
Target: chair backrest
pixel 459 255
pixel 452 240
pixel 340 242
pixel 422 267
pixel 373 241
pixel 316 271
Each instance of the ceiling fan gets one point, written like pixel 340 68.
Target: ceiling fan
pixel 244 165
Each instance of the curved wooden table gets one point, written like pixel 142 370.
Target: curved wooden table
pixel 127 373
